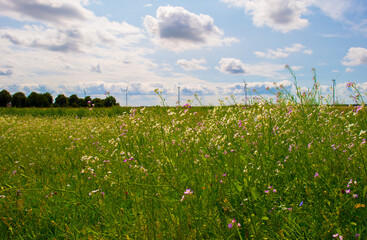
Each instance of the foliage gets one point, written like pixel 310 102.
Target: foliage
pixel 18 100
pixel 5 98
pixel 224 173
pixel 61 101
pixel 109 101
pixel 286 171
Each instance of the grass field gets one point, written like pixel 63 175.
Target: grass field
pixel 291 170
pixel 266 171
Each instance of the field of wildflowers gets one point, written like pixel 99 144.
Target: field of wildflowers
pixel 265 171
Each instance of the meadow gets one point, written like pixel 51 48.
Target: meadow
pixel 266 171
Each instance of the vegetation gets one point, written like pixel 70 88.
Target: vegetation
pixel 45 100
pixel 265 171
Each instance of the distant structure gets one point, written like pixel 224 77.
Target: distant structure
pixel 333 91
pixel 179 95
pixel 245 90
pixel 126 91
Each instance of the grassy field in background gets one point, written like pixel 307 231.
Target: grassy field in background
pixel 267 171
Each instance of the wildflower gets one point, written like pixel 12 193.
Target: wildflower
pixel 266 191
pixel 2 196
pixel 188 191
pixel 357 235
pixel 316 175
pixel 347 191
pixel 301 204
pixel 358 109
pixel 335 235
pixel 230 225
pixel 355 196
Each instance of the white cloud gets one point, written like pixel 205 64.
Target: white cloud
pixel 63 26
pixel 96 68
pixel 335 9
pixel 6 72
pixel 283 52
pixel 177 29
pixel 148 5
pixel 355 56
pixel 192 65
pixel 236 66
pixel 289 15
pixel 348 69
pixel 296 68
pixel 280 15
pixel 51 11
pixel 231 66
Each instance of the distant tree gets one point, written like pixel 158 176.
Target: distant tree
pixel 87 101
pixel 98 102
pixel 61 101
pixel 18 99
pixel 5 98
pixel 50 99
pixel 74 101
pixel 109 101
pixel 32 99
pixel 81 102
pixel 37 100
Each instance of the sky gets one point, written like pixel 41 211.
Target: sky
pixel 207 47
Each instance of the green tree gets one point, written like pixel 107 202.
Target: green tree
pixel 74 101
pixel 50 99
pixel 109 101
pixel 37 100
pixel 32 99
pixel 18 99
pixel 98 102
pixel 5 98
pixel 61 101
pixel 87 101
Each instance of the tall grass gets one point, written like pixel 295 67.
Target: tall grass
pixel 285 171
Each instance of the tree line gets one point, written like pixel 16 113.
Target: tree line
pixel 34 99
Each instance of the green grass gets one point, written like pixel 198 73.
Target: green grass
pixel 292 170
pixel 280 171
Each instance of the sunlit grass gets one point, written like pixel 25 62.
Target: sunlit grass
pixel 266 171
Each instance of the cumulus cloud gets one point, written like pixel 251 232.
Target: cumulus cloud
pixel 289 15
pixel 231 66
pixel 7 72
pixel 192 65
pixel 283 52
pixel 355 56
pixel 280 15
pixel 177 29
pixel 63 26
pixel 56 12
pixel 335 9
pixel 96 68
pixel 348 69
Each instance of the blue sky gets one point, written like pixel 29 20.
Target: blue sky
pixel 206 47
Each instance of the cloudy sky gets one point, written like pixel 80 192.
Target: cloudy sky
pixel 206 47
